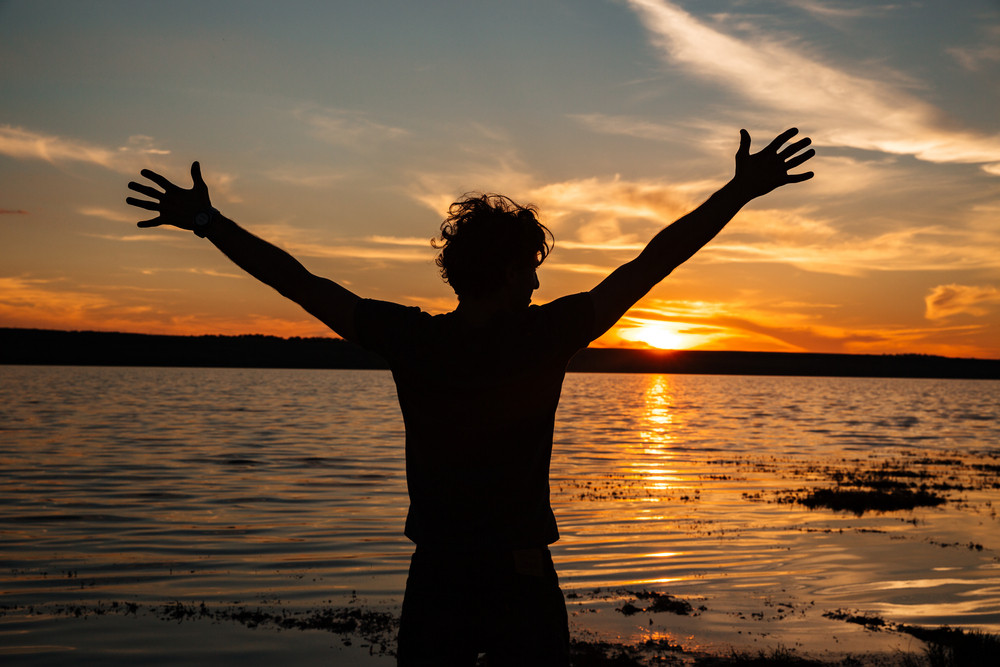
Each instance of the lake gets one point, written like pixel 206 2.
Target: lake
pixel 250 516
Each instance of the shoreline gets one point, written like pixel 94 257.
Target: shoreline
pixel 360 630
pixel 48 347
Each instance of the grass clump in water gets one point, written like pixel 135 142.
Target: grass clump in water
pixel 953 647
pixel 659 602
pixel 778 657
pixel 859 501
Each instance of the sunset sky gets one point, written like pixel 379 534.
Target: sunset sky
pixel 342 130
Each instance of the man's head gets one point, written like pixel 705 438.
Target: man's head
pixel 491 244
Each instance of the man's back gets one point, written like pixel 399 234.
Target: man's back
pixel 479 404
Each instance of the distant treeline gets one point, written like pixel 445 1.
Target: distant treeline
pixel 96 348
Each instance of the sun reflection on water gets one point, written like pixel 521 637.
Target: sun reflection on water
pixel 659 403
pixel 658 439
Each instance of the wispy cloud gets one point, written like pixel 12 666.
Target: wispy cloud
pixel 18 142
pixel 415 241
pixel 851 110
pixel 979 56
pixel 793 238
pixel 302 243
pixel 631 126
pixel 139 152
pixel 319 176
pixel 347 128
pixel 7 211
pixel 832 10
pixel 108 214
pixel 587 269
pixel 212 273
pixel 594 212
pixel 164 235
pixel 606 202
pixel 576 245
pixel 618 216
pixel 945 301
pixel 500 171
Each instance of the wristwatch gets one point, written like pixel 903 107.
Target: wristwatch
pixel 203 221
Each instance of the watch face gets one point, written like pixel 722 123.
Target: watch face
pixel 202 219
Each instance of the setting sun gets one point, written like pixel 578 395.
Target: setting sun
pixel 660 335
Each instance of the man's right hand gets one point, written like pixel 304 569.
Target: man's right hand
pixel 176 206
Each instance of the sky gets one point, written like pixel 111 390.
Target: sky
pixel 341 131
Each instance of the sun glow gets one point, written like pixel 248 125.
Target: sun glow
pixel 659 335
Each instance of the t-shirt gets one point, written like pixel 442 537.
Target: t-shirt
pixel 479 407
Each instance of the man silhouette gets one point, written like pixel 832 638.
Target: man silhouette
pixel 478 388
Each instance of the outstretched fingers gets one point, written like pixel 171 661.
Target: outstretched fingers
pixel 159 180
pixel 142 203
pixel 779 140
pixel 792 149
pixel 145 190
pixel 798 178
pixel 799 159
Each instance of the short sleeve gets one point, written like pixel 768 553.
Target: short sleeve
pixel 384 327
pixel 569 321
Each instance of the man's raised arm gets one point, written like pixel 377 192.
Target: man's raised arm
pixel 756 175
pixel 192 210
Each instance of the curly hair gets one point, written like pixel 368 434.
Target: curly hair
pixel 483 236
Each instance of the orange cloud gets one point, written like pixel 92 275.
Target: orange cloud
pixel 110 214
pixel 52 304
pixel 618 216
pixel 947 300
pixel 783 327
pixel 40 303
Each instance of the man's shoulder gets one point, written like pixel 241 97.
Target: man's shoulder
pixel 570 317
pixel 576 306
pixel 378 309
pixel 578 300
pixel 379 322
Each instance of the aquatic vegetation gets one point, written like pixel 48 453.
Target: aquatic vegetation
pixel 864 486
pixel 661 602
pixel 869 621
pixel 860 501
pixel 953 647
pixel 778 657
pixel 604 654
pixel 946 646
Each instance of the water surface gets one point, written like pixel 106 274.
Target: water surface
pixel 283 491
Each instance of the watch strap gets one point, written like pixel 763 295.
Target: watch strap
pixel 203 221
